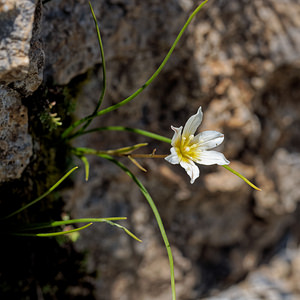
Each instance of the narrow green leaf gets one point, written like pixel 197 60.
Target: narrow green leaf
pixel 68 222
pixel 74 221
pixel 128 99
pixel 136 163
pixel 44 195
pixel 125 229
pixel 128 129
pixel 126 150
pixel 103 63
pixel 156 214
pixel 89 119
pixel 52 233
pixel 242 177
pixel 86 167
pixel 137 92
pixel 81 151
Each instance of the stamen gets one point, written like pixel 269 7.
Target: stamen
pixel 190 137
pixel 186 141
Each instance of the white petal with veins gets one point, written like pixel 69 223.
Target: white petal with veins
pixel 173 157
pixel 191 169
pixel 176 135
pixel 192 123
pixel 211 158
pixel 209 139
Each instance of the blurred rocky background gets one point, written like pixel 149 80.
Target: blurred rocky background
pixel 239 60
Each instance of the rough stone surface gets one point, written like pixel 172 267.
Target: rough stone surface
pixel 15 142
pixel 273 280
pixel 239 60
pixel 16 25
pixel 126 29
pixel 21 67
pixel 34 76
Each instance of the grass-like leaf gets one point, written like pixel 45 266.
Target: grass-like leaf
pixel 81 151
pixel 138 91
pixel 42 196
pixel 128 129
pixel 156 214
pixel 136 163
pixel 242 177
pixel 49 234
pixel 86 167
pixel 68 222
pixel 125 229
pixel 89 119
pixel 103 64
pixel 90 221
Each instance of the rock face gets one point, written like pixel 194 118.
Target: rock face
pixel 21 66
pixel 34 75
pixel 70 41
pixel 239 60
pixel 15 142
pixel 16 25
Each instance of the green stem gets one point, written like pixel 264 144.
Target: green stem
pixel 137 92
pixel 156 214
pixel 122 128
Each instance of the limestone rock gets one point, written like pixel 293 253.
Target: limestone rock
pixel 21 67
pixel 244 71
pixel 15 142
pixel 276 280
pixel 16 25
pixel 239 60
pixel 128 29
pixel 34 77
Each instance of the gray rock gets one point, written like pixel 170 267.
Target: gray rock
pixel 21 66
pixel 15 142
pixel 228 64
pixel 34 76
pixel 16 25
pixel 240 61
pixel 128 29
pixel 277 280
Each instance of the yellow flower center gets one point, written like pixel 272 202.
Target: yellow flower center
pixel 186 149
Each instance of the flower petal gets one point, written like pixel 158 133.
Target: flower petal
pixel 211 158
pixel 191 169
pixel 192 123
pixel 177 135
pixel 208 139
pixel 173 157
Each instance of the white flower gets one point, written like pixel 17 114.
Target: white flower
pixel 188 149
